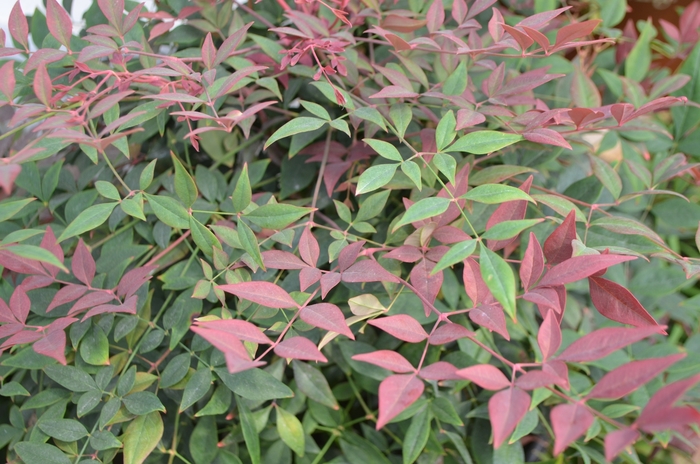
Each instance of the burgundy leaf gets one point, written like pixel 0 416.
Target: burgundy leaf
pixel 602 342
pixel 263 293
pixel 617 440
pixel 49 242
pixel 492 317
pixel 367 271
pixel 53 345
pixel 449 234
pixel 129 307
pixel 557 247
pixel 449 332
pixel 580 267
pixel 544 297
pixel 208 52
pixel 440 370
pixel 17 24
pixel 133 280
pixel 618 304
pixel 474 284
pixel 396 393
pixel 532 264
pixel 405 254
pixel 278 259
pixel 309 276
pixel 506 410
pixel 547 137
pixel 387 359
pixel 21 338
pixel 240 329
pixel 308 247
pixel 42 85
pixel 92 300
pixel 59 23
pixel 18 264
pixel 83 264
pixel 20 304
pixel 575 31
pixel 348 255
pixel 486 376
pixel 37 281
pixel 224 342
pixel 660 413
pixel 66 295
pixel 401 326
pixel 326 316
pixel 426 285
pixel 328 282
pixel 628 377
pixel 508 211
pixel 537 379
pixel 6 315
pixel 549 336
pixel 299 348
pixel 569 422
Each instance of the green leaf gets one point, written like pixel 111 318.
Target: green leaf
pixel 33 453
pixel 341 125
pixel 638 61
pixel 242 193
pixel 484 141
pixel 90 219
pixel 249 243
pixel 313 384
pixel 295 126
pixel 560 205
pixel 385 149
pixel 372 206
pixel 63 429
pixel 71 378
pixel 401 115
pixel 458 253
pixel 499 278
pixel 134 206
pixel 103 440
pixel 255 385
pixel 169 211
pixel 493 194
pixel 50 181
pixel 447 165
pixel 203 441
pixel 457 440
pixel 375 177
pixel 250 432
pixel 175 371
pixel 13 389
pixel 607 176
pixel 94 347
pixel 196 388
pixel 416 436
pixel 509 229
pixel 203 237
pixel 445 131
pixel 146 176
pixel 315 109
pixel 612 12
pixel 526 425
pixel 107 190
pixel 370 114
pixel 423 209
pixel 276 215
pixel 185 187
pixel 290 430
pixel 412 170
pixel 343 211
pixel 36 253
pixel 142 437
pixel 218 404
pixel 444 411
pixel 143 402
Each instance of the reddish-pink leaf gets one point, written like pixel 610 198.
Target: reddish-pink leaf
pixel 617 303
pixel 131 18
pixel 10 329
pixel 549 336
pixel 474 284
pixel 107 103
pixel 8 174
pixel 133 280
pixel 263 293
pixel 42 85
pixel 492 317
pixel 459 10
pixel 7 80
pixel 559 369
pixel 426 285
pixel 401 326
pixel 367 271
pixel 18 264
pixel 91 300
pixel 299 348
pixel 235 364
pixel 47 56
pixel 557 247
pixel 580 267
pixel 348 255
pixel 396 393
pixel 569 422
pixel 628 377
pixel 450 234
pixel 53 345
pixel 113 11
pixel 506 410
pixel 49 242
pixel 660 413
pixel 6 315
pixel 387 359
pixel 59 23
pixel 243 330
pixel 544 297
pixel 231 81
pixel 508 211
pixel 309 249
pixel 533 263
pixel 575 31
pixel 66 295
pixel 309 276
pixel 278 259
pixel 37 281
pixel 617 440
pixel 326 316
pixel 21 338
pixel 224 342
pixel 537 379
pixel 129 307
pixel 449 332
pixel 83 264
pixel 17 24
pixel 486 376
pixel 230 44
pixel 440 370
pixel 20 304
pixel 547 137
pixel 537 36
pixel 468 118
pixel 405 254
pixel 328 282
pixel 522 38
pixel 208 52
pixel 394 91
pixel 602 342
pixel 435 16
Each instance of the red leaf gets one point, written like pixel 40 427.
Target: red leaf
pixel 547 137
pixel 49 242
pixel 160 29
pixel 549 336
pixel 231 43
pixel 20 304
pixel 618 304
pixel 20 265
pixel 486 376
pixel 580 267
pixel 326 316
pixel 59 23
pixel 506 409
pixel 263 293
pixel 91 300
pixel 224 342
pixel 459 10
pixel 537 36
pixel 105 104
pixel 449 332
pixel 231 81
pixel 602 342
pixel 522 38
pixel 10 329
pixel 628 377
pixel 660 413
pixel 401 326
pixel 426 285
pixel 42 85
pixel 474 284
pixel 299 348
pixel 537 379
pixel 47 56
pixel 131 18
pixel 468 118
pixel 508 211
pixel 575 31
pixel 6 316
pixel 328 282
pixel 240 329
pixel 208 52
pixel 387 359
pixel 66 295
pixel 37 281
pixel 278 259
pixel 21 338
pixel 405 254
pixel 308 247
pixel 440 370
pixel 348 255
pixel 235 364
pixel 394 91
pixel 557 247
pixel 545 298
pixel 396 393
pixel 53 345
pixel 492 317
pixel 559 369
pixel 617 440
pixel 133 280
pixel 367 271
pixel 83 264
pixel 569 422
pixel 450 234
pixel 17 24
pixel 113 11
pixel 129 307
pixel 309 276
pixel 8 174
pixel 7 80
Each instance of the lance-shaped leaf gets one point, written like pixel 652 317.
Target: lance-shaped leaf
pixel 309 249
pixel 367 271
pixel 557 247
pixel 492 194
pixel 617 440
pixel 387 359
pixel 89 219
pixel 242 193
pixel 396 393
pixel 278 259
pixel 458 253
pixel 326 316
pixel 449 332
pixel 615 302
pixel 17 24
pixel 230 44
pixel 549 336
pixel 83 264
pixel 401 326
pixel 375 177
pixel 233 82
pixel 507 212
pixel 580 267
pixel 423 209
pixel 533 263
pixel 295 126
pixel 59 23
pixel 42 85
pixel 660 412
pixel 483 142
pixel 569 421
pixel 506 410
pixel 628 377
pixel 185 187
pixel 486 376
pixel 490 316
pixel 602 342
pixel 440 370
pixel 263 293
pixel 276 215
pixel 384 149
pixel 313 384
pixel 499 278
pixel 299 348
pixel 241 329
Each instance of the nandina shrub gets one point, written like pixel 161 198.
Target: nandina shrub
pixel 349 232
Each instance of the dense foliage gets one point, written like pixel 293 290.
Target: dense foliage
pixel 350 232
